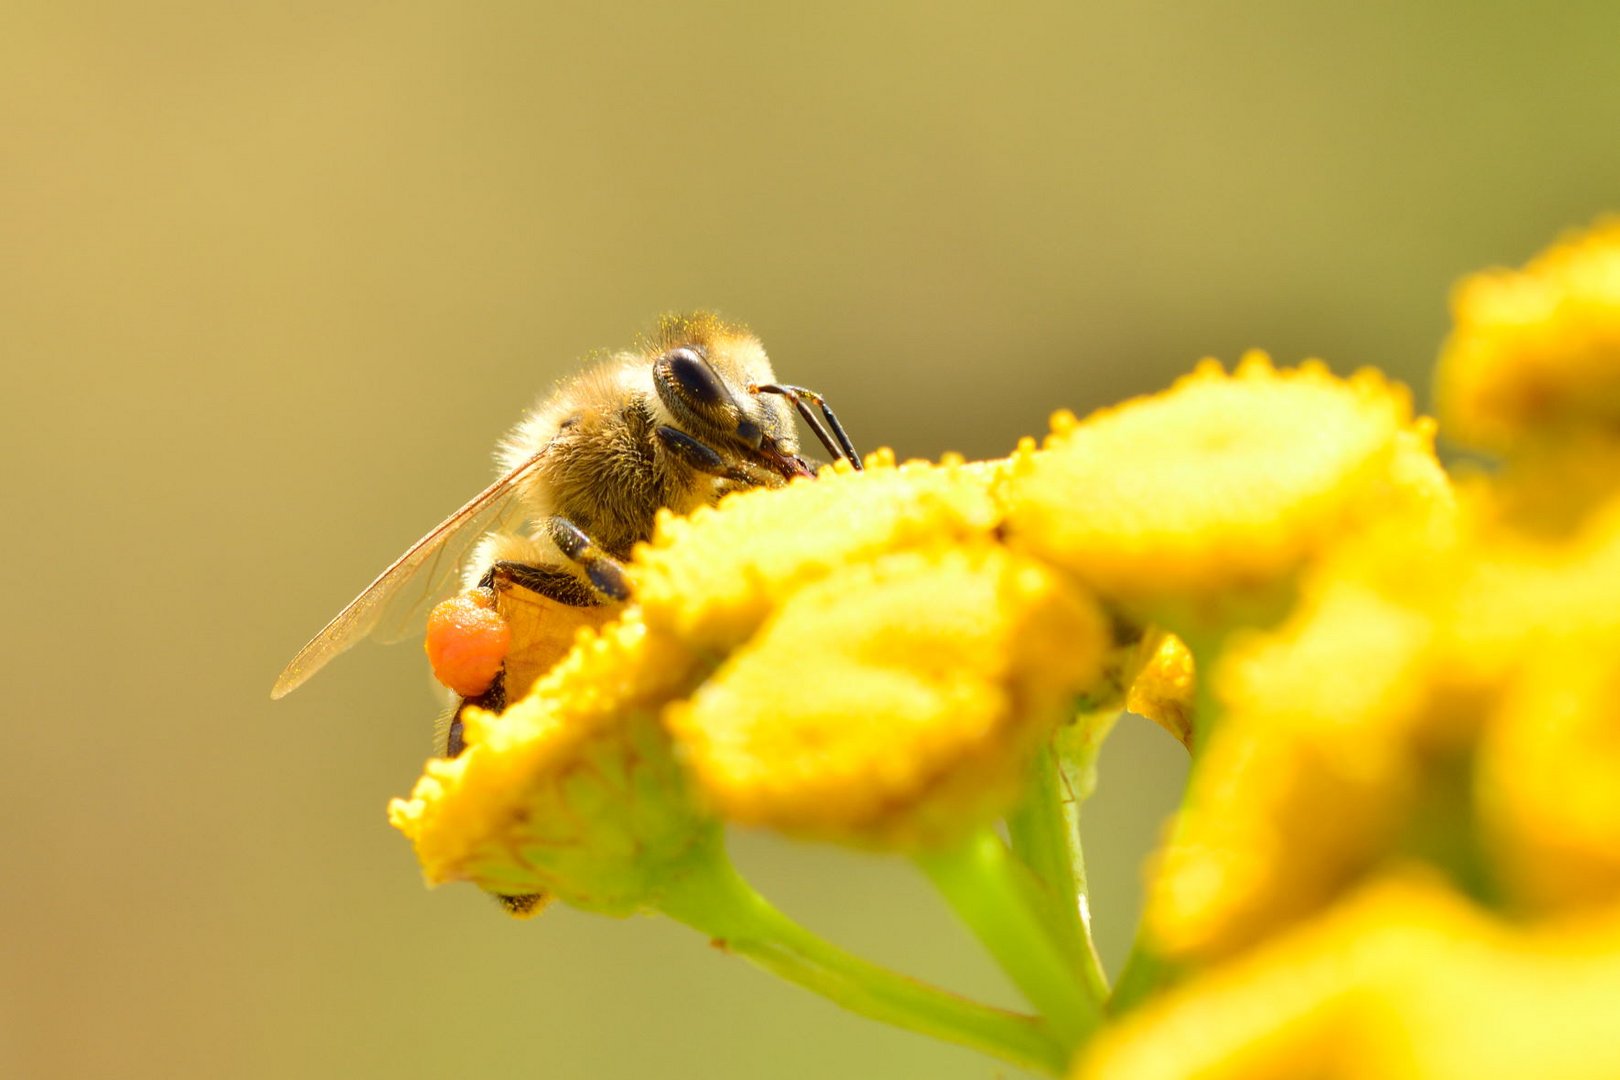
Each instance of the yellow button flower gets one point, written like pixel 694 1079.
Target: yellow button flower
pixel 1439 690
pixel 1551 777
pixel 1550 761
pixel 854 657
pixel 1195 508
pixel 1535 353
pixel 1549 488
pixel 573 790
pixel 893 702
pixel 713 577
pixel 1513 595
pixel 1402 982
pixel 1307 779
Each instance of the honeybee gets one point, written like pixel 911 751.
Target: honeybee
pixel 692 414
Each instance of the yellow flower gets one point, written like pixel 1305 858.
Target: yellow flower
pixel 884 664
pixel 1402 982
pixel 1440 690
pixel 1550 761
pixel 1308 777
pixel 1196 507
pixel 1550 488
pixel 1551 777
pixel 713 578
pixel 854 657
pixel 1165 685
pixel 1535 353
pixel 571 792
pixel 1514 595
pixel 894 701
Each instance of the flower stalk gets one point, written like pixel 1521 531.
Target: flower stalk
pixel 710 896
pixel 1044 831
pixel 1000 901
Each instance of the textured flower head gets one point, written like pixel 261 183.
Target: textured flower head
pixel 894 702
pixel 1196 508
pixel 883 664
pixel 573 791
pixel 714 577
pixel 1535 353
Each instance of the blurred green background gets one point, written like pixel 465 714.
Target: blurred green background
pixel 273 278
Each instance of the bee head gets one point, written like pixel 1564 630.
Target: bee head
pixel 702 371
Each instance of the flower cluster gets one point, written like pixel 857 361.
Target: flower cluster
pixel 1399 849
pixel 1400 853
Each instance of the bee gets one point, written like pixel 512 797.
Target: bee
pixel 692 414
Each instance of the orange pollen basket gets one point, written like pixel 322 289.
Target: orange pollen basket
pixel 467 641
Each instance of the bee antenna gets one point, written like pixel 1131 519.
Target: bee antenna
pixel 836 441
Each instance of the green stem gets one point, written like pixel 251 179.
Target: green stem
pixel 1045 834
pixel 711 896
pixel 994 895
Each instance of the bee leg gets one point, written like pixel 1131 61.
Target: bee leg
pixel 699 456
pixel 604 571
pixel 552 582
pixel 837 440
pixel 492 700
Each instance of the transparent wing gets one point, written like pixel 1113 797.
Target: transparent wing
pixel 388 605
pixel 404 613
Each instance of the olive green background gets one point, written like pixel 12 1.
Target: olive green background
pixel 273 278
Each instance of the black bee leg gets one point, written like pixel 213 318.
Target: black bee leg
pixel 552 582
pixel 836 441
pixel 700 456
pixel 604 571
pixel 493 700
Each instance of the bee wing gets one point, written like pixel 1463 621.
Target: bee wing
pixel 409 582
pixel 403 613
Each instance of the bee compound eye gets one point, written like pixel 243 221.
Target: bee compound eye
pixel 696 380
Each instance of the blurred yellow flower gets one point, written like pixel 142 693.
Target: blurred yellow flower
pixel 1549 488
pixel 1308 777
pixel 1510 596
pixel 1442 689
pixel 1535 353
pixel 1403 981
pixel 894 701
pixel 1550 760
pixel 1551 777
pixel 1195 508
